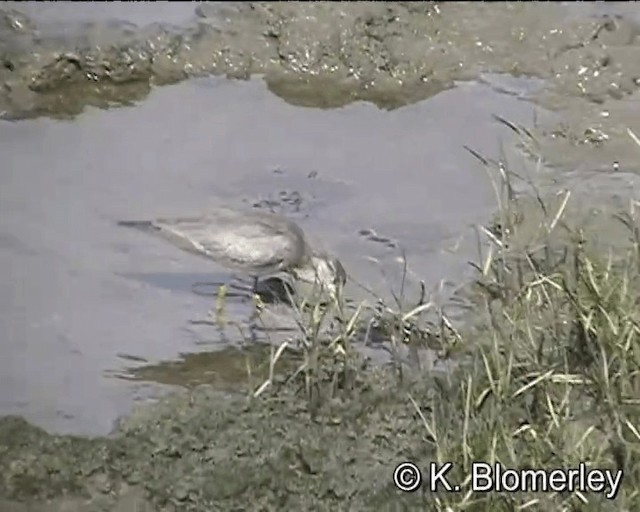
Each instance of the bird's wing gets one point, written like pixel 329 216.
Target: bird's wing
pixel 187 233
pixel 252 244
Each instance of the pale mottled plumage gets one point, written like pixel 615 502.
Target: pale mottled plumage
pixel 253 242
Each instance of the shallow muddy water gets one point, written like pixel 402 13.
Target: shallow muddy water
pixel 80 291
pixel 83 300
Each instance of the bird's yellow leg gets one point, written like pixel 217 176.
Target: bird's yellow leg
pixel 258 302
pixel 220 304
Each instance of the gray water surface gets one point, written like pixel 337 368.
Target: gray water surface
pixel 78 291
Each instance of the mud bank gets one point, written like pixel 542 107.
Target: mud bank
pixel 325 55
pixel 207 452
pixel 318 54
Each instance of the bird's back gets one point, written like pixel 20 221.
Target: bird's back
pixel 253 241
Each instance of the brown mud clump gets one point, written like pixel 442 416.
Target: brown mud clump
pixel 318 54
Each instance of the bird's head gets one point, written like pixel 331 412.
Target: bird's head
pixel 324 271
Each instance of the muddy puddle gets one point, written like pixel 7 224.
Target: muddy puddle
pixel 83 292
pixel 95 317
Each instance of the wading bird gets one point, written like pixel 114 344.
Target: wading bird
pixel 255 243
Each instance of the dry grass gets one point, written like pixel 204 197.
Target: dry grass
pixel 547 376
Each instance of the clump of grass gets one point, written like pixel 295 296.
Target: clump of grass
pixel 554 376
pixel 553 373
pixel 548 374
pixel 326 330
